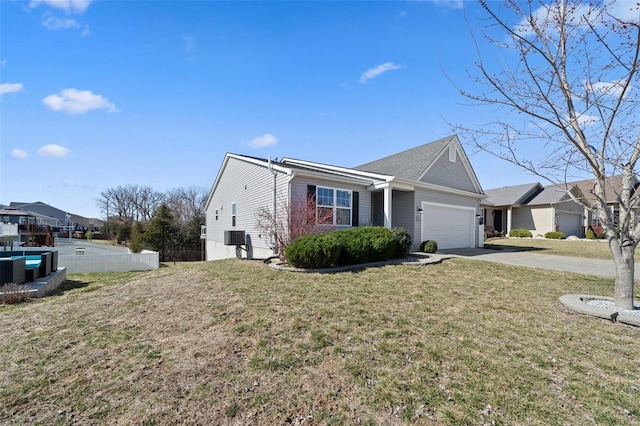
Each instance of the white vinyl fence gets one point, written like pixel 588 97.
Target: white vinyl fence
pixel 124 262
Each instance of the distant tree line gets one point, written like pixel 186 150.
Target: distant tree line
pixel 166 222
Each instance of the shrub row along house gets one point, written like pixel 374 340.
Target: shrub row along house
pixel 431 191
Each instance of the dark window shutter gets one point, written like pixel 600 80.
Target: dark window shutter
pixel 355 209
pixel 311 196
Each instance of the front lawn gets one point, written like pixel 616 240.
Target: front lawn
pixel 234 342
pixel 594 249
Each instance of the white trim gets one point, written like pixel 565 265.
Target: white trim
pixel 346 170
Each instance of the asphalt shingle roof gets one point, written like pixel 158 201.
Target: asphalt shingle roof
pixel 551 194
pixel 511 195
pixel 409 164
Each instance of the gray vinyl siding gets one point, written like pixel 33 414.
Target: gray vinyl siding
pixel 449 174
pixel 403 212
pixel 299 189
pixel 569 206
pixel 445 198
pixel 250 186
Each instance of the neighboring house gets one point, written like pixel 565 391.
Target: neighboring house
pixel 584 190
pixel 58 219
pixel 431 191
pixel 534 207
pixel 47 215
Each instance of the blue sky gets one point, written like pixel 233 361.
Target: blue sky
pixel 96 94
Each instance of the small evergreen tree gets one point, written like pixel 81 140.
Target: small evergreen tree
pixel 161 231
pixel 137 238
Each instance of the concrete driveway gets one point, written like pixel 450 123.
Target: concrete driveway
pixel 533 259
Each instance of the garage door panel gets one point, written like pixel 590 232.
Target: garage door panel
pixel 570 224
pixel 450 227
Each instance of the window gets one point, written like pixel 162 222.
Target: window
pixel 216 214
pixel 233 214
pixel 333 206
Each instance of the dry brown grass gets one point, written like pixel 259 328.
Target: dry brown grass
pixel 234 342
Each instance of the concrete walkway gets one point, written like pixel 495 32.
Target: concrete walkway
pixel 600 267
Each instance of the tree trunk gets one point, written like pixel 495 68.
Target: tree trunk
pixel 623 259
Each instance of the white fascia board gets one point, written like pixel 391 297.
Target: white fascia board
pixel 262 163
pixel 336 177
pixel 449 190
pixel 408 185
pixel 337 169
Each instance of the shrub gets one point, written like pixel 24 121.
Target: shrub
pixel 89 235
pixel 429 246
pixel 403 242
pixel 520 233
pixel 313 251
pixel 590 235
pixel 14 293
pixel 555 235
pixel 365 244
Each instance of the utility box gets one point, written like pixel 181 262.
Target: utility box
pixel 234 238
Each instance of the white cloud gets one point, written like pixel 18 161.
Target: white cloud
pixel 263 141
pixel 69 6
pixel 53 150
pixel 375 72
pixel 10 88
pixel 612 88
pixel 625 11
pixel 450 4
pixel 76 101
pixel 54 24
pixel 19 154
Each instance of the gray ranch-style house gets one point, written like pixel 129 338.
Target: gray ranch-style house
pixel 534 207
pixel 550 208
pixel 431 191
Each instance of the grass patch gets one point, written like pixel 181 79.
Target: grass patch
pixel 463 342
pixel 592 249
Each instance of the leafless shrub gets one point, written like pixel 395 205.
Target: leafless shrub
pixel 12 293
pixel 292 220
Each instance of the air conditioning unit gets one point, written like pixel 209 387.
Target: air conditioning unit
pixel 234 238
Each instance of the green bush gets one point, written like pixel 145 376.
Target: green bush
pixel 429 246
pixel 313 251
pixel 520 233
pixel 89 235
pixel 403 242
pixel 590 235
pixel 365 244
pixel 555 235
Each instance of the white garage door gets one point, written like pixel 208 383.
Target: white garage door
pixel 570 224
pixel 449 226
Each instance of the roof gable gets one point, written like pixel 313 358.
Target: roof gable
pixel 410 164
pixel 449 170
pixel 442 162
pixel 512 195
pixel 613 185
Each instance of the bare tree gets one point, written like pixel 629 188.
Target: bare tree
pixel 292 220
pixel 187 206
pixel 571 71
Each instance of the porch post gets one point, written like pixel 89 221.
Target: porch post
pixel 387 207
pixel 508 220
